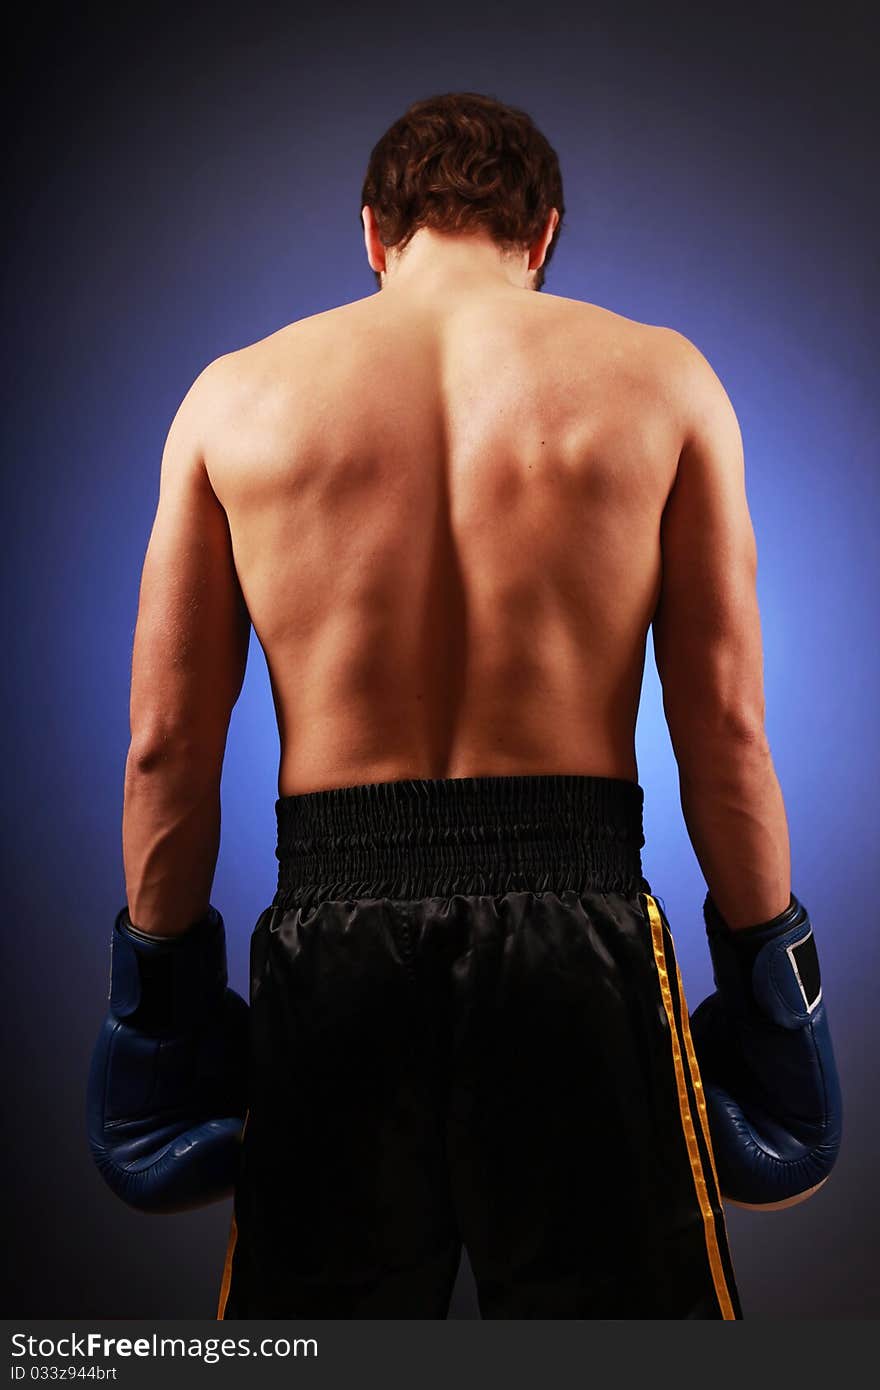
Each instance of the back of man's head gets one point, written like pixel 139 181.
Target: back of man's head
pixel 464 162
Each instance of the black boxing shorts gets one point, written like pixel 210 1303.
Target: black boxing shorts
pixel 468 1028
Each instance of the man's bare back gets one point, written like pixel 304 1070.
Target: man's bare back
pixel 445 516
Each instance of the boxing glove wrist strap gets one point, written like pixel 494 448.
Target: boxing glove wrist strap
pixel 770 969
pixel 164 985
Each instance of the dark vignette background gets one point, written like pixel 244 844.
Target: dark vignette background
pixel 185 181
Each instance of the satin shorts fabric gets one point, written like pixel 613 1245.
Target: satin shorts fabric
pixel 508 1071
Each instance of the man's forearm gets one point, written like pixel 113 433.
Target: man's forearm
pixel 735 816
pixel 170 838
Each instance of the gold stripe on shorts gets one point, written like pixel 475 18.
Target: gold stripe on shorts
pixel 709 1231
pixel 230 1251
pixel 227 1271
pixel 696 1079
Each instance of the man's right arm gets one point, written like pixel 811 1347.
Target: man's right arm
pixel 707 646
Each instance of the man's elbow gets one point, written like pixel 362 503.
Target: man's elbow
pixel 158 750
pixel 732 739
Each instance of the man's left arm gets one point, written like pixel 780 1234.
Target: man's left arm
pixel 188 664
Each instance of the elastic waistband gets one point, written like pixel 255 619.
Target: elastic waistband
pixel 433 837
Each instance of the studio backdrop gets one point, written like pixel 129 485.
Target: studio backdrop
pixel 186 181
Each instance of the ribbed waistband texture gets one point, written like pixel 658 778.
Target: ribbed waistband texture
pixel 434 837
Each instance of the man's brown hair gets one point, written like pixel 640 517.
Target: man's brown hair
pixel 463 161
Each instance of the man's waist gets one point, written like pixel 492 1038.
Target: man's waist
pixel 423 837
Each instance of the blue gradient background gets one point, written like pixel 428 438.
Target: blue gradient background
pixel 186 182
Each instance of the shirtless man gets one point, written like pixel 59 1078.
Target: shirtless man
pixel 452 511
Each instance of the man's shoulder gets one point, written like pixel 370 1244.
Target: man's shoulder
pixel 660 343
pixel 298 335
pixel 603 313
pixel 661 357
pixel 243 382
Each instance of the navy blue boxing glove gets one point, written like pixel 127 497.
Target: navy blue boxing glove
pixel 766 1063
pixel 167 1089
